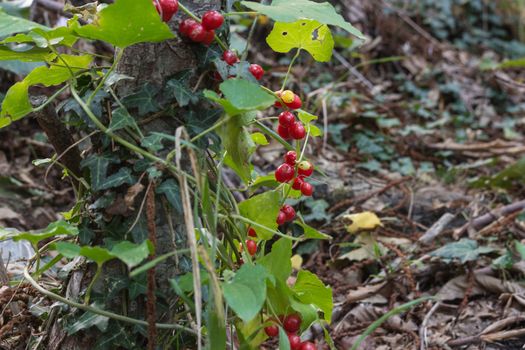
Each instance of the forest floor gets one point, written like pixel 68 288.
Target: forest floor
pixel 423 129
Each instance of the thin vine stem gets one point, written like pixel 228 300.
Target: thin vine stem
pixel 290 68
pixel 251 222
pixel 106 76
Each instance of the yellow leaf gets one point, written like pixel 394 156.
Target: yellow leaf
pixel 297 262
pixel 362 221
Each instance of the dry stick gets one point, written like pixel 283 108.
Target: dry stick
pixel 494 215
pixel 436 229
pixel 151 309
pixel 423 328
pixel 360 77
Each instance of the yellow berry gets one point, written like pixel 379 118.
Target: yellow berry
pixel 287 96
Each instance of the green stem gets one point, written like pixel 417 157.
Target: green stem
pixel 274 135
pixel 210 129
pixel 97 311
pixel 192 15
pixel 251 222
pixel 106 76
pixel 51 98
pixel 92 283
pixel 250 13
pixel 290 68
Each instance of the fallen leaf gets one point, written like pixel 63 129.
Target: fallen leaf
pixel 362 221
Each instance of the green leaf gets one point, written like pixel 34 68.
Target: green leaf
pixel 307 119
pixel 513 175
pixel 122 176
pixel 262 209
pixel 171 190
pixel 45 38
pixel 11 25
pixel 16 103
pixel 239 146
pixel 520 248
pixel 259 138
pixel 284 343
pixel 54 229
pixel 127 22
pixel 312 233
pixel 144 99
pixel 88 320
pixel 96 254
pixel 245 95
pixel 178 88
pixel 310 290
pixel 278 262
pixel 463 250
pixel 246 292
pixel 132 254
pixel 305 34
pixel 98 168
pixel 19 67
pixel 293 10
pixel 121 119
pixel 32 55
pixel 226 105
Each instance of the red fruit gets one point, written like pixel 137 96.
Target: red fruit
pixel 257 71
pixel 308 346
pixel 297 182
pixel 307 189
pixel 295 341
pixel 283 131
pixel 297 131
pixel 166 8
pixel 251 232
pixel 278 102
pixel 286 119
pixel 290 157
pixel 305 168
pixel 284 173
pixel 251 246
pixel 272 331
pixel 230 57
pixel 289 211
pixel 292 323
pixel 281 218
pixel 186 26
pixel 212 20
pixel 296 104
pixel 209 37
pixel 197 33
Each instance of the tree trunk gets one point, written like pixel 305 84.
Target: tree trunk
pixel 154 64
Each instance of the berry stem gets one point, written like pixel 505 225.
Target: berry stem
pixel 290 68
pixel 239 13
pixel 192 15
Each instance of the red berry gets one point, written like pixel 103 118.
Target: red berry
pixel 257 71
pixel 209 37
pixel 305 168
pixel 251 232
pixel 286 119
pixel 290 157
pixel 295 341
pixel 272 331
pixel 296 104
pixel 297 131
pixel 297 182
pixel 230 57
pixel 278 102
pixel 308 346
pixel 197 33
pixel 212 20
pixel 166 8
pixel 292 323
pixel 307 189
pixel 186 26
pixel 284 173
pixel 287 96
pixel 289 211
pixel 281 218
pixel 252 247
pixel 283 131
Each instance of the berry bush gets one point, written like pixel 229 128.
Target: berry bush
pixel 233 282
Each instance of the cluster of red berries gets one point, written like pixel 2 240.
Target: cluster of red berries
pixel 231 58
pixel 289 98
pixel 286 173
pixel 291 324
pixel 289 128
pixel 286 214
pixel 166 8
pixel 203 32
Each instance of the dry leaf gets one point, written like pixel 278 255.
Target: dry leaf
pixel 362 221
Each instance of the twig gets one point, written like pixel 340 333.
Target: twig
pixel 423 328
pixel 360 77
pixel 151 296
pixel 436 229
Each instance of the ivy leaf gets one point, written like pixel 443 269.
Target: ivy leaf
pixel 121 119
pixel 309 289
pixel 144 99
pixel 53 229
pixel 178 88
pixel 98 168
pixel 172 192
pixel 246 292
pixel 127 22
pixel 132 254
pixel 88 320
pixel 262 209
pixel 293 10
pixel 309 35
pixel 122 176
pixel 245 95
pixel 463 250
